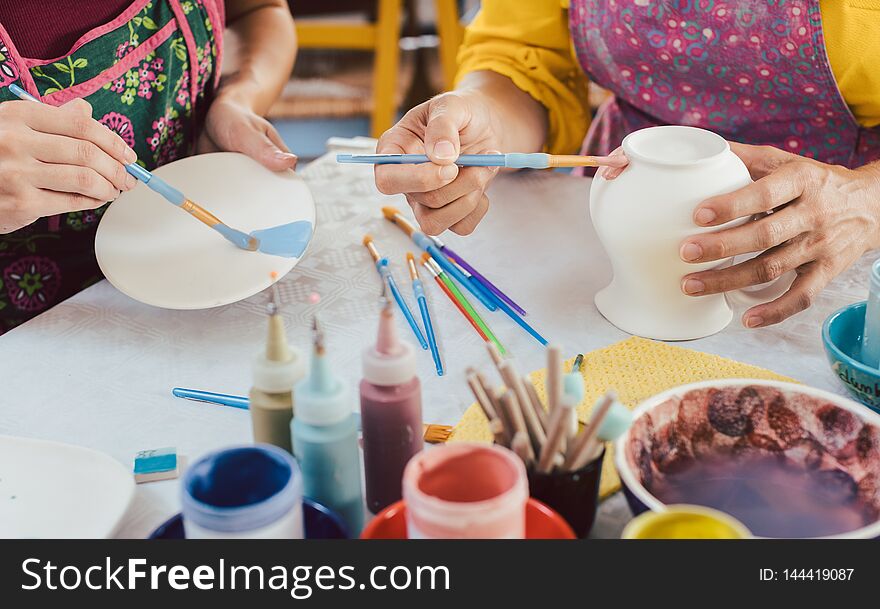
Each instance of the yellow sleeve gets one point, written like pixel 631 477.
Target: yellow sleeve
pixel 529 43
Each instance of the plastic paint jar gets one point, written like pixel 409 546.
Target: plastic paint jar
pixel 246 492
pixel 685 522
pixel 465 491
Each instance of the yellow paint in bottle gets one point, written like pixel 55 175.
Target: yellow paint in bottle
pixel 685 522
pixel 275 371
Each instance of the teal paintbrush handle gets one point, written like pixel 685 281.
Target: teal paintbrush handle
pixel 514 160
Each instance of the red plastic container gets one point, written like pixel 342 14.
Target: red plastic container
pixel 541 523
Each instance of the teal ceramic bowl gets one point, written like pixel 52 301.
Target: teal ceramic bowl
pixel 842 337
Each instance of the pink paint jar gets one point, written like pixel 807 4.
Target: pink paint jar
pixel 465 491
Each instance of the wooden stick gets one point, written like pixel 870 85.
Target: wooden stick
pixel 522 447
pixel 554 377
pixel 514 383
pixel 497 359
pixel 514 413
pixel 480 395
pixel 535 402
pixel 497 429
pixel 559 422
pixel 579 451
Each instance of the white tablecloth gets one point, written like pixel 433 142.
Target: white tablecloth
pixel 97 370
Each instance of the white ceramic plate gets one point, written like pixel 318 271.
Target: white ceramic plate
pixel 51 490
pixel 158 254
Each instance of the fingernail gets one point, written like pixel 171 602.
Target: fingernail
pixel 130 156
pixel 694 286
pixel 280 154
pixel 130 182
pixel 753 321
pixel 448 172
pixel 704 216
pixel 444 150
pixel 690 252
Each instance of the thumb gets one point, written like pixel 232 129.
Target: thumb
pixel 447 116
pixel 270 151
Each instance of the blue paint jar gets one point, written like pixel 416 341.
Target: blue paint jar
pixel 245 492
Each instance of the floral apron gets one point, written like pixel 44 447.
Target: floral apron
pixel 754 71
pixel 149 75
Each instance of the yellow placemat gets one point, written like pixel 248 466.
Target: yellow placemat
pixel 636 368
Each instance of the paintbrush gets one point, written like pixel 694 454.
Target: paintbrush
pixel 475 274
pixel 288 240
pixel 474 287
pixel 424 242
pixel 432 433
pixel 461 300
pixel 419 291
pixel 385 273
pixel 513 160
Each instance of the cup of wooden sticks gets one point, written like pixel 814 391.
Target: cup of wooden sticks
pixel 564 463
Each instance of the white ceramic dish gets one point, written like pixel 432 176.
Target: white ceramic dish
pixel 160 255
pixel 50 490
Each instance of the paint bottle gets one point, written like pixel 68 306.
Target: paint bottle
pixel 466 491
pixel 325 441
pixel 276 372
pixel 391 412
pixel 244 492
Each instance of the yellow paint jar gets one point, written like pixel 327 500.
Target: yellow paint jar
pixel 685 522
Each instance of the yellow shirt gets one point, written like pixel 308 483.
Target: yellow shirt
pixel 529 42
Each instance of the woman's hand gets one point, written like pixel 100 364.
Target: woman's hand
pixel 441 194
pixel 55 160
pixel 820 219
pixel 233 126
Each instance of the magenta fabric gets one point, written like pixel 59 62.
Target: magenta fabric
pixel 754 71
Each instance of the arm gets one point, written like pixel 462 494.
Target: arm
pixel 260 60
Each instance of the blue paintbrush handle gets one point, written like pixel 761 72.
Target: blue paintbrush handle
pixel 520 321
pixel 456 274
pixel 419 291
pixel 382 266
pixel 515 160
pixel 221 399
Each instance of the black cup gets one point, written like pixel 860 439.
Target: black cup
pixel 574 495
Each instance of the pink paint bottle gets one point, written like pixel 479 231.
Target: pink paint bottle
pixel 391 413
pixel 466 491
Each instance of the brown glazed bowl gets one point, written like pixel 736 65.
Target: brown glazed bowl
pixel 818 432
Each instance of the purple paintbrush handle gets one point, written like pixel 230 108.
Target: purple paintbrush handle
pixel 479 277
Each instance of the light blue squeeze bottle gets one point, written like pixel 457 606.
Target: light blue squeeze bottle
pixel 325 441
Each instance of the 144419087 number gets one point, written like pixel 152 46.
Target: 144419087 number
pixel 806 574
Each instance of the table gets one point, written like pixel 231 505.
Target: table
pixel 97 370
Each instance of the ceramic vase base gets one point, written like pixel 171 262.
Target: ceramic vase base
pixel 638 320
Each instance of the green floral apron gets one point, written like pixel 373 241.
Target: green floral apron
pixel 149 75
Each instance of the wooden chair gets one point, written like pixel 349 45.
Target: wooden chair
pixel 382 36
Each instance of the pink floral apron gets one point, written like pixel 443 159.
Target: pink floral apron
pixel 754 71
pixel 149 75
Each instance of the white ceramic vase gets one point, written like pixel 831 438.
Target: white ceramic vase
pixel 643 216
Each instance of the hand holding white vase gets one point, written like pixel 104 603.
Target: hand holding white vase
pixel 641 218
